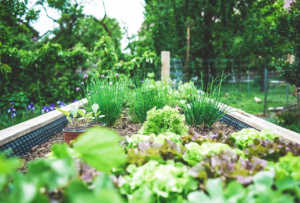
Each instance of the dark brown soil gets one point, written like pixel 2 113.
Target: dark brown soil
pixel 216 128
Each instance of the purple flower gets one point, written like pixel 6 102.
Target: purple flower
pixel 110 83
pixel 89 94
pixel 76 100
pixel 117 75
pixel 13 115
pixel 30 107
pixel 61 104
pixel 34 39
pixel 77 88
pixel 190 94
pixel 12 103
pixel 10 109
pixel 102 76
pixel 82 83
pixel 51 107
pixel 45 109
pixel 85 76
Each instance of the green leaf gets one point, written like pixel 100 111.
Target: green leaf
pixel 95 108
pixel 81 112
pixel 62 111
pixel 99 147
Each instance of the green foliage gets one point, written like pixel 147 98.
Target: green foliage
pixel 187 89
pixel 164 120
pixel 289 120
pixel 133 141
pixel 60 175
pixel 288 166
pixel 222 29
pixel 106 144
pixel 288 27
pixel 236 193
pixel 149 95
pixel 207 108
pixel 109 94
pixel 195 152
pixel 247 137
pixel 153 182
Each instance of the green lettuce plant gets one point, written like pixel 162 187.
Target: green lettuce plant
pixel 164 120
pixel 159 139
pixel 154 182
pixel 246 137
pixel 288 166
pixel 195 153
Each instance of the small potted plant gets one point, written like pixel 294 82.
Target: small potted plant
pixel 97 115
pixel 73 130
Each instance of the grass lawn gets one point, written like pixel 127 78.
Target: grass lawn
pixel 241 98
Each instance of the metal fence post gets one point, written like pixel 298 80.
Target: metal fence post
pixel 266 90
pixel 287 92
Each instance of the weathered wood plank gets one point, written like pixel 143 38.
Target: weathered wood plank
pixel 9 134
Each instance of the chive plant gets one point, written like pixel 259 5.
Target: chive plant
pixel 147 97
pixel 109 93
pixel 205 109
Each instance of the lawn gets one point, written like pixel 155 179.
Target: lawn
pixel 242 97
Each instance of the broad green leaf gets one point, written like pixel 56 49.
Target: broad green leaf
pixel 95 108
pixel 82 118
pixel 90 114
pixel 62 111
pixel 97 114
pixel 74 110
pixel 99 147
pixel 81 112
pixel 101 116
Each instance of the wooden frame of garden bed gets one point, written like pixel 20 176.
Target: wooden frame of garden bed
pixel 12 133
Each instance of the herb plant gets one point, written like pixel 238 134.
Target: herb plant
pixel 109 94
pixel 148 96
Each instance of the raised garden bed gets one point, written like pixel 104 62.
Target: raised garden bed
pixel 162 160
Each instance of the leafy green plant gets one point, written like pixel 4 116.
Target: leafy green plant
pixel 148 96
pixel 157 183
pixel 160 139
pixel 164 120
pixel 288 166
pixel 207 108
pixel 74 112
pixel 97 147
pixel 109 94
pixel 195 152
pixel 187 89
pixel 246 137
pixel 236 193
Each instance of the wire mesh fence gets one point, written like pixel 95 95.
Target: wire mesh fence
pixel 243 81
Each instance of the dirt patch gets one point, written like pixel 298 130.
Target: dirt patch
pixel 216 128
pixel 42 150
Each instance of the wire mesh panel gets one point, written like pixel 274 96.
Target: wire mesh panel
pixel 23 145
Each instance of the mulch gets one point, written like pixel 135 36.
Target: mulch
pixel 123 127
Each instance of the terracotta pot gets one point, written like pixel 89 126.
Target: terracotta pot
pixel 93 124
pixel 73 133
